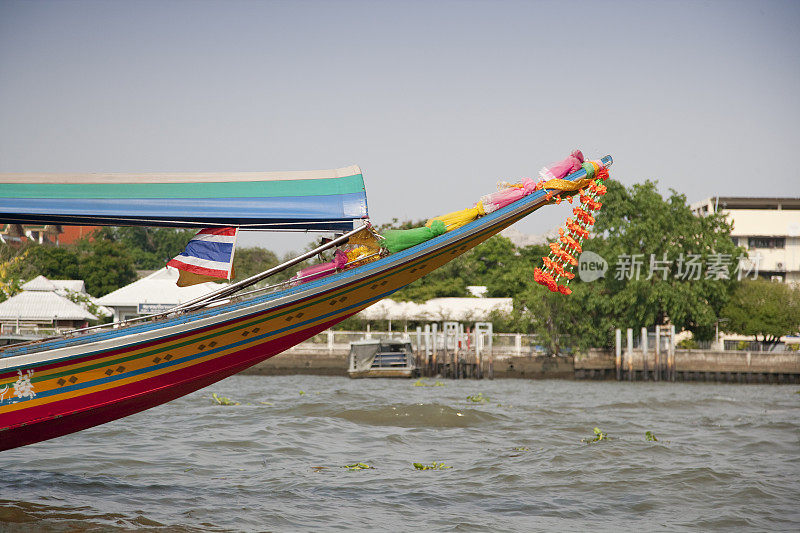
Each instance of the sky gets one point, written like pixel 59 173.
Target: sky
pixel 436 100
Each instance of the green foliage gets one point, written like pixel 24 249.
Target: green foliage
pixel 765 308
pixel 478 398
pixel 579 320
pixel 635 220
pixel 432 466
pixel 149 248
pixel 688 344
pixel 358 466
pixel 105 266
pixel 450 280
pixel 12 265
pixel 598 436
pixel 499 265
pixel 53 262
pixel 222 400
pixel 650 437
pixel 250 261
pixel 86 302
pixel 638 220
pixel 420 383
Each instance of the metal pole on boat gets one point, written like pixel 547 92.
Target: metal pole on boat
pixel 230 289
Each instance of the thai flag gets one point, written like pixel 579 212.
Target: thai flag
pixel 209 253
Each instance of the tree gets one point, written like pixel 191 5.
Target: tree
pixel 250 261
pixel 638 226
pixel 765 308
pixel 149 248
pixel 52 262
pixel 11 268
pixel 104 266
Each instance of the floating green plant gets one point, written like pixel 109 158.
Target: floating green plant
pixel 649 437
pixel 598 436
pixel 433 466
pixel 222 400
pixel 478 398
pixel 359 466
pixel 420 383
pixel 302 392
pixel 520 450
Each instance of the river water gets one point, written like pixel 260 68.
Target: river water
pixel 727 456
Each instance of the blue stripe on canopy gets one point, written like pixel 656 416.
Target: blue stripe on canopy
pixel 321 200
pixel 291 212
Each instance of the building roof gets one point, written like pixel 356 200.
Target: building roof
pixel 750 202
pixel 157 288
pixel 42 305
pixel 466 309
pixel 39 283
pixel 74 285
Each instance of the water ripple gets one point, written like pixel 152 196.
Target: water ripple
pixel 521 456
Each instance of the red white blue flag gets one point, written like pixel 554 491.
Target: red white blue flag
pixel 207 257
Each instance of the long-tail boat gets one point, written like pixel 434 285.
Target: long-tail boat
pixel 89 377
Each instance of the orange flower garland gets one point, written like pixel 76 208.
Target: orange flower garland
pixel 559 263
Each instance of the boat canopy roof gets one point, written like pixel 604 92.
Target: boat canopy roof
pixel 322 200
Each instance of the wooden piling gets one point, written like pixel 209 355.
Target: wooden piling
pixel 643 344
pixel 434 349
pixel 672 353
pixel 657 369
pixel 629 352
pixel 618 353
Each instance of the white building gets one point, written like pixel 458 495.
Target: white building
pixel 43 307
pixel 769 228
pixel 438 309
pixel 155 293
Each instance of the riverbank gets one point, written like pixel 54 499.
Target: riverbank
pixel 689 365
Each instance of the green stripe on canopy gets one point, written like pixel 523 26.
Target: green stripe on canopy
pixel 234 189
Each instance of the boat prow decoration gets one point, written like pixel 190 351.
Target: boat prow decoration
pixel 62 385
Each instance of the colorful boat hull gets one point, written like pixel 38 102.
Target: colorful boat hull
pixel 62 386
